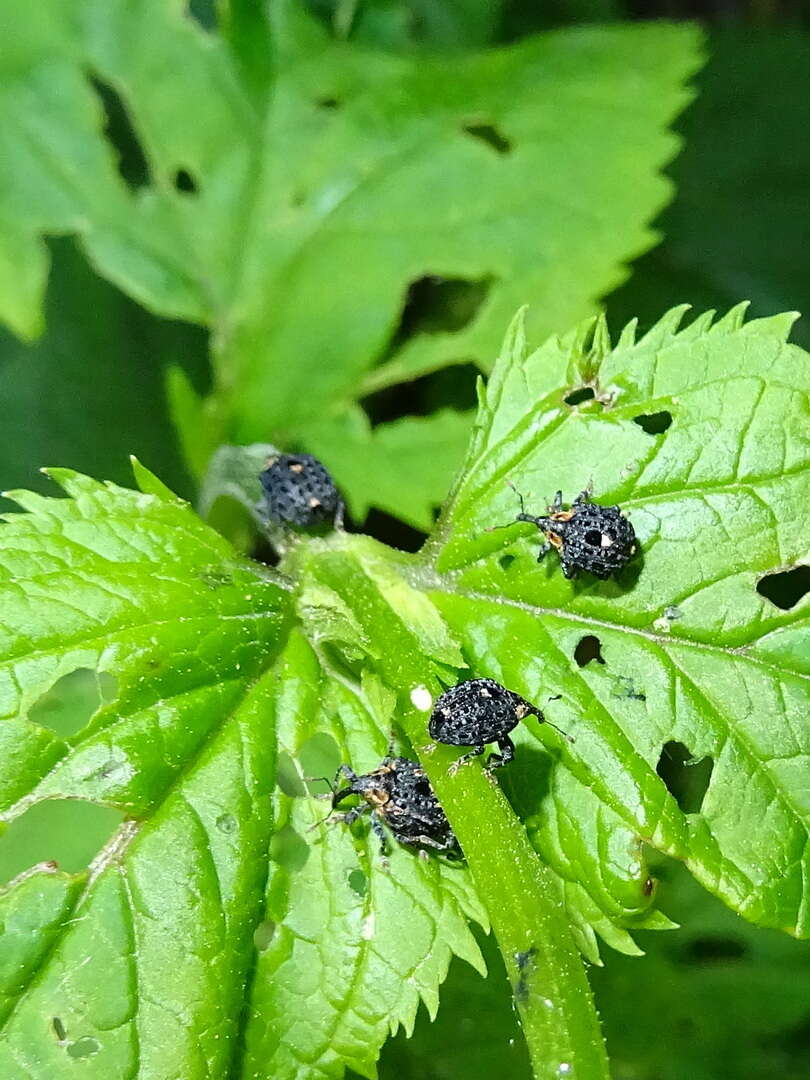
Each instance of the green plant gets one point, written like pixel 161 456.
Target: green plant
pixel 323 655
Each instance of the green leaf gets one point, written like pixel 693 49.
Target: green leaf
pixel 401 467
pixel 531 169
pixel 691 651
pixel 188 945
pixel 355 945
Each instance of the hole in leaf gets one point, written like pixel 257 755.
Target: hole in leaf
pixel 687 780
pixel 319 756
pixel 84 1047
pixel 69 832
pixel 185 182
pixel 392 531
pixel 288 849
pixel 358 882
pixel 785 588
pixel 451 388
pixel 204 12
pixel 588 648
pixel 582 393
pixel 654 423
pixel 703 950
pixel 226 823
pixel 264 934
pixel 506 561
pixel 490 135
pixel 439 305
pixel 72 700
pixel 287 776
pixel 328 101
pixel 59 1029
pixel 133 165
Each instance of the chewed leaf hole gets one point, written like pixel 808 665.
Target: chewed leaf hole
pixel 68 832
pixel 329 102
pixel 439 305
pixel 506 561
pixel 319 756
pixel 84 1047
pixel 287 777
pixel 785 588
pixel 588 648
pixel 358 882
pixel 582 393
pixel 59 1029
pixel 185 182
pixel 712 950
pixel 490 135
pixel 72 700
pixel 289 850
pixel 264 934
pixel 654 423
pixel 133 165
pixel 687 779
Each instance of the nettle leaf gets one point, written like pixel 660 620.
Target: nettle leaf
pixel 355 945
pixel 216 932
pixel 701 434
pixel 526 170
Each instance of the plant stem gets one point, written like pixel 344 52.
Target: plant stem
pixel 551 991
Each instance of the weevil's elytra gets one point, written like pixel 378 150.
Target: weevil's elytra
pixel 478 712
pixel 398 794
pixel 300 492
pixel 588 536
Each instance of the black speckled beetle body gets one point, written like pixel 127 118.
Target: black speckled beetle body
pixel 478 712
pixel 300 492
pixel 587 536
pixel 399 794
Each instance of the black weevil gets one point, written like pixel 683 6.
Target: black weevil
pixel 300 492
pixel 588 536
pixel 399 794
pixel 478 712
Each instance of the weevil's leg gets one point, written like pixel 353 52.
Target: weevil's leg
pixel 507 754
pixel 428 841
pixel 379 832
pixel 352 815
pixel 568 569
pixel 586 495
pixel 556 506
pixel 339 514
pixel 476 750
pixel 544 550
pixel 347 773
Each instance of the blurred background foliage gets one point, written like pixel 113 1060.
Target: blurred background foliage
pixel 717 998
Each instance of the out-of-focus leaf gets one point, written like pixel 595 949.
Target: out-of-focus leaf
pixel 401 467
pixel 528 170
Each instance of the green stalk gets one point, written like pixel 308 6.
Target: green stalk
pixel 551 991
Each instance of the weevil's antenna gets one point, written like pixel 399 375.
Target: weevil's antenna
pixel 559 730
pixel 523 514
pixel 520 497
